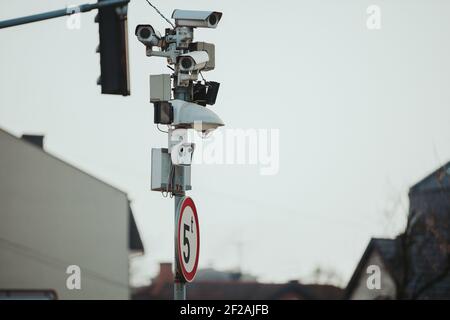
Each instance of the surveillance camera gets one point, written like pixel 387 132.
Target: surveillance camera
pixel 181 151
pixel 147 35
pixel 196 19
pixel 195 60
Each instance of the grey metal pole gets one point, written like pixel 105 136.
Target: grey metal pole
pixel 60 13
pixel 179 289
pixel 179 293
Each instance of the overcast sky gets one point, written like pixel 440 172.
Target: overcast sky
pixel 363 115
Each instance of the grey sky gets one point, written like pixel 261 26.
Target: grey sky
pixel 362 115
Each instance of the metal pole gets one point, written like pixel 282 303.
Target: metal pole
pixel 179 293
pixel 60 13
pixel 179 289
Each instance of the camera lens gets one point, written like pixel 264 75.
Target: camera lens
pixel 212 19
pixel 144 33
pixel 186 63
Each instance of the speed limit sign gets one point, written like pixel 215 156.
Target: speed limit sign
pixel 188 239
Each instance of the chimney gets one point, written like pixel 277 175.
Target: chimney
pixel 165 273
pixel 37 140
pixel 164 277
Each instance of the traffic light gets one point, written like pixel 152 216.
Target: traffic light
pixel 113 49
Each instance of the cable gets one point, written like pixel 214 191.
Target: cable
pixel 201 74
pixel 159 12
pixel 169 188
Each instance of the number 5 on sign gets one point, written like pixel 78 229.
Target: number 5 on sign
pixel 188 239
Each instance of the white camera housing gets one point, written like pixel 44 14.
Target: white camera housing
pixel 181 151
pixel 147 35
pixel 195 60
pixel 196 19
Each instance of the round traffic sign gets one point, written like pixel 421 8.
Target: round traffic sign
pixel 188 239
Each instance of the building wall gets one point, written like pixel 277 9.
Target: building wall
pixel 52 216
pixel 387 287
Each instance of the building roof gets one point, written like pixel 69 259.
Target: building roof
pixel 28 140
pixel 237 290
pixel 435 181
pixel 231 288
pixel 428 249
pixel 220 288
pixel 390 253
pixel 134 237
pixel 135 242
pixel 211 274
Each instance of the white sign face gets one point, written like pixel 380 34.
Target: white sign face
pixel 188 239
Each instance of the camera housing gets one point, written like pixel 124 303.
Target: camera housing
pixel 208 47
pixel 147 35
pixel 181 151
pixel 196 19
pixel 194 60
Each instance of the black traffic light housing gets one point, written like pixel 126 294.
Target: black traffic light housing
pixel 113 49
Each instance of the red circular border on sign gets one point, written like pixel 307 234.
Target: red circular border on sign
pixel 188 276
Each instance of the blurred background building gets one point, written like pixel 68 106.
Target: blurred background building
pixel 212 284
pixel 416 264
pixel 54 215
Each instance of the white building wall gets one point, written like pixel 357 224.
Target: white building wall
pixel 52 216
pixel 387 284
